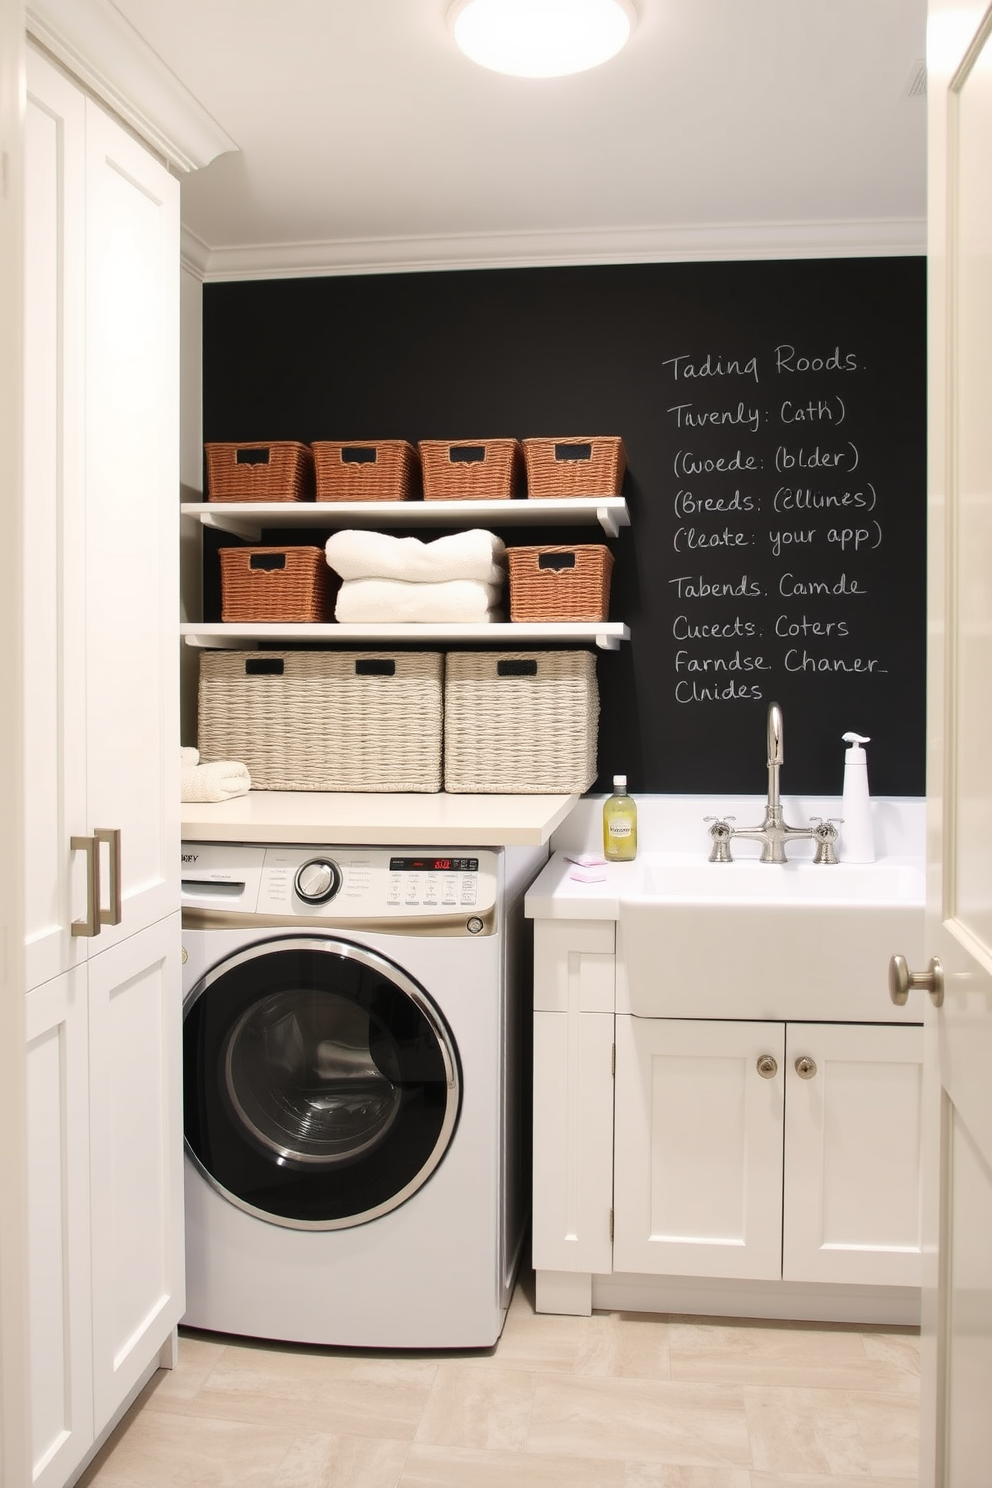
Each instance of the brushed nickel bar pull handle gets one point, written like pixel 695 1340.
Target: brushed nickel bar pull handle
pixel 91 924
pixel 112 837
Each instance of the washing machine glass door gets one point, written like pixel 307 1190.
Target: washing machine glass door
pixel 321 1082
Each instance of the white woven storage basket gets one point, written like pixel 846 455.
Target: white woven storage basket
pixel 325 720
pixel 520 722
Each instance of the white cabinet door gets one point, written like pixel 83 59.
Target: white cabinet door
pixel 853 1200
pixel 136 1156
pixel 58 1228
pixel 132 515
pixel 698 1148
pixel 100 520
pixel 54 705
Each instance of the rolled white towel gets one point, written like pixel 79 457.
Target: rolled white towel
pixel 475 554
pixel 372 600
pixel 218 780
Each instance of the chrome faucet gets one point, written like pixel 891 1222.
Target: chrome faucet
pixel 774 833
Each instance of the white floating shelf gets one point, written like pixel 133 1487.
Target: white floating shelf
pixel 248 519
pixel 606 635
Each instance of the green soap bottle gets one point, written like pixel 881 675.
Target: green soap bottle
pixel 619 824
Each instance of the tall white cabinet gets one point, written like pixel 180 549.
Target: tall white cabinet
pixel 101 729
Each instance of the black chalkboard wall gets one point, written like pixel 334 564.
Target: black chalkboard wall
pixel 774 417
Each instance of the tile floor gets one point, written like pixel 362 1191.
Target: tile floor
pixel 618 1400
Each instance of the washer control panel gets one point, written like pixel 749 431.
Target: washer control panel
pixel 437 880
pixel 340 883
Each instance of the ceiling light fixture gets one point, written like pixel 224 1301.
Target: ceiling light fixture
pixel 541 38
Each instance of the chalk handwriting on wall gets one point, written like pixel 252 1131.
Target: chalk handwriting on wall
pixel 791 500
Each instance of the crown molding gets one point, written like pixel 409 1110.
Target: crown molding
pixel 98 46
pixel 194 255
pixel 768 240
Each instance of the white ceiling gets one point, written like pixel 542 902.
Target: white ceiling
pixel 366 139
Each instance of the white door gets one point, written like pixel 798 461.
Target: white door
pixel 698 1148
pixel 957 1434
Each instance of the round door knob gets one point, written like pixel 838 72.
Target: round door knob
pixel 805 1067
pixel 767 1066
pixel 902 980
pixel 317 881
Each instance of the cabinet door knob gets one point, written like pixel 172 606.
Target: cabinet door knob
pixel 767 1066
pixel 902 980
pixel 805 1067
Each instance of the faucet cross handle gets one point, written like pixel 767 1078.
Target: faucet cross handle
pixel 721 832
pixel 825 836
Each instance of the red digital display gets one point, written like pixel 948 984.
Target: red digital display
pixel 433 865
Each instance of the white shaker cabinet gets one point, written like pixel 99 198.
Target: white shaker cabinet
pixel 767 1165
pixel 100 523
pixel 101 727
pixel 706 1111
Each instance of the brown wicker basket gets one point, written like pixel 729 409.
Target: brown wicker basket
pixel 378 470
pixel 325 720
pixel 518 722
pixel 278 471
pixel 276 584
pixel 575 467
pixel 559 583
pixel 471 470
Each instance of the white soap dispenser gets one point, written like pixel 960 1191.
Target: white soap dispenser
pixel 857 835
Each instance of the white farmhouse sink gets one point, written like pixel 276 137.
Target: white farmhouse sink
pixel 767 940
pixel 695 881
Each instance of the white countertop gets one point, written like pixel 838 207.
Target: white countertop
pixel 374 819
pixel 556 895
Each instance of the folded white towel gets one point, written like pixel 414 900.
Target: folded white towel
pixel 474 554
pixel 372 600
pixel 217 781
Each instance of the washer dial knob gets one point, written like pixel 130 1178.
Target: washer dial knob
pixel 317 880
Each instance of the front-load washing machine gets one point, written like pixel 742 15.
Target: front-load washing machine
pixel 354 1046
